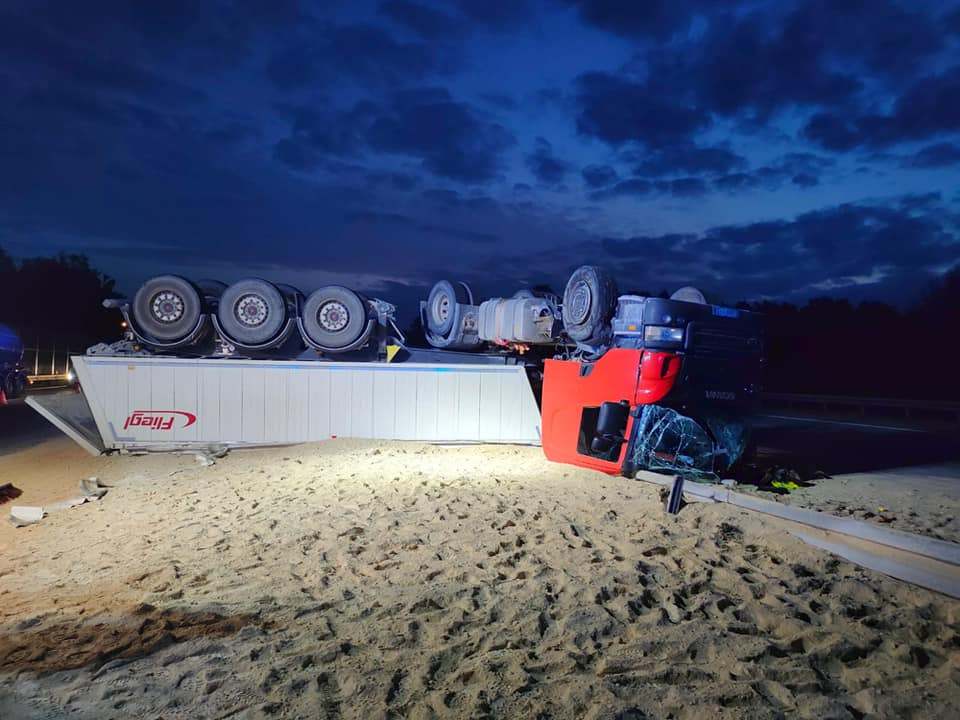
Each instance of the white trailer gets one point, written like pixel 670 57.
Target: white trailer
pixel 161 403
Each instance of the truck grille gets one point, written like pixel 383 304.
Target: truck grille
pixel 714 341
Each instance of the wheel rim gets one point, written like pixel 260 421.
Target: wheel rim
pixel 251 310
pixel 167 307
pixel 580 303
pixel 441 308
pixel 333 316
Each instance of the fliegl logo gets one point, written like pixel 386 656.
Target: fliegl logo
pixel 160 419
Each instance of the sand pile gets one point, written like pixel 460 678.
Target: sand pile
pixel 351 580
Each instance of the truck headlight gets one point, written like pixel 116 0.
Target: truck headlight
pixel 662 334
pixel 70 376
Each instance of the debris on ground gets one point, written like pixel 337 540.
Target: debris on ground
pixel 21 515
pixel 91 489
pixel 208 456
pixel 9 492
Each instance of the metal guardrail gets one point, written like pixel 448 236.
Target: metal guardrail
pixel 909 408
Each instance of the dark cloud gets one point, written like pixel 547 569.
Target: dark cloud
pixel 598 176
pixel 450 138
pixel 801 169
pixel 633 186
pixel 617 111
pixel 765 59
pixel 685 159
pixel 428 22
pixel 318 133
pixel 938 155
pixel 747 65
pixel 927 108
pixel 683 187
pixel 496 14
pixel 847 248
pixel 546 167
pixel 70 67
pixel 653 19
pixel 361 52
pixel 201 37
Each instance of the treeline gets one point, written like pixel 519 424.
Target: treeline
pixel 832 347
pixel 56 299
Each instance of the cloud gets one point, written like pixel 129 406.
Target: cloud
pixel 545 166
pixel 318 133
pixel 450 138
pixel 496 14
pixel 617 111
pixel 749 62
pixel 927 108
pixel 685 159
pixel 683 187
pixel 833 248
pixel 598 176
pixel 424 20
pixel 938 155
pixel 360 51
pixel 651 19
pixel 800 168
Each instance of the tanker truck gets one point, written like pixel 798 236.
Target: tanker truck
pixel 13 378
pixel 599 379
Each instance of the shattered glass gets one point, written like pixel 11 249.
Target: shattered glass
pixel 667 441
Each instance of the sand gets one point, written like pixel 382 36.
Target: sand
pixel 354 580
pixel 921 500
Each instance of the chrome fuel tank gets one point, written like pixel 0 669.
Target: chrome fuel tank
pixel 518 320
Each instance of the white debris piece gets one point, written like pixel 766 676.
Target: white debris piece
pixel 21 515
pixel 91 489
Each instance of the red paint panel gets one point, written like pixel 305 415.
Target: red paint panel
pixel 639 377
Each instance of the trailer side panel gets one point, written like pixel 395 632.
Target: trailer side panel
pixel 161 403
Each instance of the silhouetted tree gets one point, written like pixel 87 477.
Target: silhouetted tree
pixel 57 299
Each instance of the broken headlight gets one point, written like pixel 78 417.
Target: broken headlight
pixel 663 334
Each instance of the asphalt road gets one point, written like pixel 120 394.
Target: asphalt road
pixel 21 426
pixel 838 446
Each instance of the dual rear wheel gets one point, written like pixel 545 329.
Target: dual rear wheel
pixel 251 312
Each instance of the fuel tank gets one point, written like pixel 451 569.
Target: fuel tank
pixel 518 320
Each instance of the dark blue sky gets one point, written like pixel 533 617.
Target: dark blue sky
pixel 756 149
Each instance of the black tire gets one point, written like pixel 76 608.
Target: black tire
pixel 211 289
pixel 335 318
pixel 13 385
pixel 167 308
pixel 252 312
pixel 440 307
pixel 589 301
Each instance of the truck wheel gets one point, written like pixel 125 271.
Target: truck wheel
pixel 167 307
pixel 690 295
pixel 440 307
pixel 335 318
pixel 14 384
pixel 252 311
pixel 589 301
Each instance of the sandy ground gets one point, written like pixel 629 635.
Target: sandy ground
pixel 352 580
pixel 922 500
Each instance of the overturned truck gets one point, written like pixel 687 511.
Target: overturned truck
pixel 612 382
